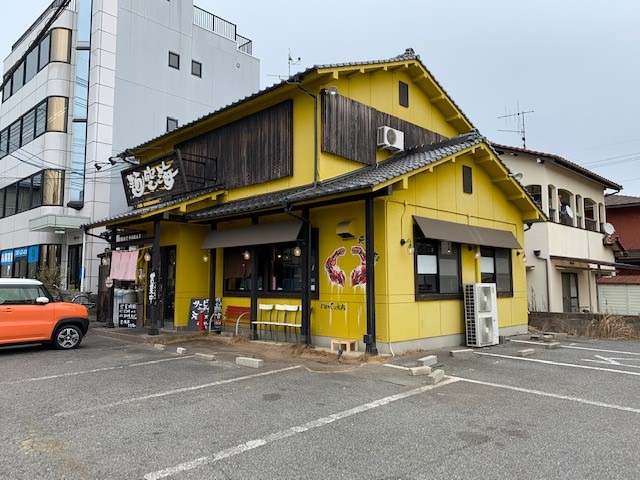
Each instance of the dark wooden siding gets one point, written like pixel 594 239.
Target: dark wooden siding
pixel 252 150
pixel 349 129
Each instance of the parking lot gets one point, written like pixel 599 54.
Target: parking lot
pixel 116 409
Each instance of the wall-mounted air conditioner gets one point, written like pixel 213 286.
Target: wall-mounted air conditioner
pixel 390 139
pixel 481 314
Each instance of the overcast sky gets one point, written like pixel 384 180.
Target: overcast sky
pixel 574 64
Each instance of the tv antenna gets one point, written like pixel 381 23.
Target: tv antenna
pixel 291 61
pixel 519 117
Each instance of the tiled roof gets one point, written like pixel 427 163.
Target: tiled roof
pixel 363 179
pixel 620 280
pixel 151 208
pixel 560 161
pixel 408 55
pixel 621 201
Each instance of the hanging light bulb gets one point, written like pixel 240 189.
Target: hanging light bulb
pixel 411 249
pixel 205 257
pixel 147 257
pixel 297 251
pixel 246 255
pixel 477 253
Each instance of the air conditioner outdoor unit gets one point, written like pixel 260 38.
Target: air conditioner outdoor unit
pixel 390 139
pixel 481 314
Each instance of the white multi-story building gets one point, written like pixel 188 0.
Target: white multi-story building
pixel 86 81
pixel 566 255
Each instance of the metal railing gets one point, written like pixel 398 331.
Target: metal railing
pixel 590 224
pixel 222 27
pixel 55 4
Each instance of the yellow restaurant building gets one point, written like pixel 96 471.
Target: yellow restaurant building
pixel 358 191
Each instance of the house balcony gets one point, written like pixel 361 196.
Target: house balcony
pixel 570 242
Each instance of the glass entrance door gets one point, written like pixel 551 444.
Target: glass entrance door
pixel 570 292
pixel 168 276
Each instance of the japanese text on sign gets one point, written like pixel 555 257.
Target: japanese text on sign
pixel 158 177
pixel 128 315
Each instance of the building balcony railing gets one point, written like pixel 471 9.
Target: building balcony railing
pixel 591 224
pixel 55 4
pixel 221 27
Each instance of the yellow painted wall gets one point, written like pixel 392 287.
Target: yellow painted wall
pixel 192 273
pixel 380 91
pixel 340 311
pixel 439 195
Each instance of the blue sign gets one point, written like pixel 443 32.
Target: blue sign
pixel 6 257
pixel 20 252
pixel 34 254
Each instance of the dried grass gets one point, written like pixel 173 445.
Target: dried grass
pixel 240 339
pixel 612 326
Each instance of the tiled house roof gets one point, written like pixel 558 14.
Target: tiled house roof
pixel 559 161
pixel 616 201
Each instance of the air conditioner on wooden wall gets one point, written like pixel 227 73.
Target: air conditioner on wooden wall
pixel 390 139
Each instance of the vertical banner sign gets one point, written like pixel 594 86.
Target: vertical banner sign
pixel 197 306
pixel 152 293
pixel 216 318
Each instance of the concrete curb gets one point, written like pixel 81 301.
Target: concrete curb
pixel 249 362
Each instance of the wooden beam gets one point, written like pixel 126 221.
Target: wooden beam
pixel 403 184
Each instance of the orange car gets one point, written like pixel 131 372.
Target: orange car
pixel 29 314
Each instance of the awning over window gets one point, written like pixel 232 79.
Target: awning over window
pixel 468 234
pixel 591 261
pixel 261 234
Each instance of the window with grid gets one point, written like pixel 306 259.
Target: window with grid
pixel 437 268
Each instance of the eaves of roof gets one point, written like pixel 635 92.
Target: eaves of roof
pixel 559 161
pixel 155 208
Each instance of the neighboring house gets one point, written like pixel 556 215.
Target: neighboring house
pixel 85 81
pixel 358 191
pixel 623 211
pixel 566 255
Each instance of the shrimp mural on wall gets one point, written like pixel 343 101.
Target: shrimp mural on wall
pixel 359 274
pixel 336 274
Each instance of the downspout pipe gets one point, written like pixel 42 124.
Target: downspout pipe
pixel 370 337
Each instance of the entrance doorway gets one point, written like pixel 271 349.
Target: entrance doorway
pixel 74 266
pixel 570 301
pixel 168 285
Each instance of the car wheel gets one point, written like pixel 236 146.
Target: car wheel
pixel 67 337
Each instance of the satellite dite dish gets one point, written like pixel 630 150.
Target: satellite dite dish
pixel 568 211
pixel 609 229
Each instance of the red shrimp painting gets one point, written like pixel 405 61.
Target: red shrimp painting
pixel 336 274
pixel 359 274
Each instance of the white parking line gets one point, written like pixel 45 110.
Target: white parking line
pixel 599 350
pixel 95 370
pixel 172 392
pixel 552 395
pixel 560 364
pixel 530 342
pixel 289 432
